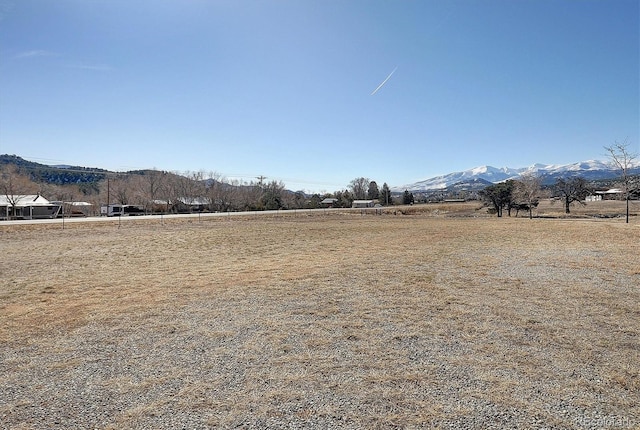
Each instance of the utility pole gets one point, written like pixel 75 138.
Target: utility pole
pixel 108 191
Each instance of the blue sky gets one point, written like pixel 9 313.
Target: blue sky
pixel 283 88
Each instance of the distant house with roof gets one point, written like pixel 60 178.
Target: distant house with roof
pixel 160 206
pixel 328 202
pixel 74 209
pixel 190 204
pixel 605 194
pixel 28 206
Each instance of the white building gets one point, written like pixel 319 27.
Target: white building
pixel 28 206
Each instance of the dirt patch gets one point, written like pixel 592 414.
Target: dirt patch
pixel 340 320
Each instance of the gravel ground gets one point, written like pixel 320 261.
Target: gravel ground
pixel 488 337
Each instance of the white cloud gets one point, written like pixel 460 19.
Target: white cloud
pixel 35 54
pixel 94 67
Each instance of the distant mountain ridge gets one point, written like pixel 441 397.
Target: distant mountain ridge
pixel 59 175
pixel 486 175
pixel 473 179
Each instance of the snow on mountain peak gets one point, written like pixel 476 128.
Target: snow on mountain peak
pixel 479 170
pixel 593 168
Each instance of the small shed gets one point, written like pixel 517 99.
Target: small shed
pixel 74 209
pixel 363 204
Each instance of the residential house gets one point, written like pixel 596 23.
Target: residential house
pixel 28 206
pixel 328 202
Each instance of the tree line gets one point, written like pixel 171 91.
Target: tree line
pixel 525 193
pixel 160 191
pixel 163 192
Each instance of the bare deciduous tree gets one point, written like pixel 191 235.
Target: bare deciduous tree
pixel 572 190
pixel 120 189
pixel 152 187
pixel 188 190
pixel 623 159
pixel 527 192
pixel 218 192
pixel 359 188
pixel 15 186
pixel 210 182
pixel 295 200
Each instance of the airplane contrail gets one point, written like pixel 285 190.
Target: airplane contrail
pixel 384 82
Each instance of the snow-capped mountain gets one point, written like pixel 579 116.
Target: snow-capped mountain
pixel 590 170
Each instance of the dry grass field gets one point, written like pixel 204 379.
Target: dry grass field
pixel 437 319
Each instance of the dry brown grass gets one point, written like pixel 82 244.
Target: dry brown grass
pixel 547 208
pixel 321 321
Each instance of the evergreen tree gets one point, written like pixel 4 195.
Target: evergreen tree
pixel 499 195
pixel 385 195
pixel 407 198
pixel 373 193
pixel 345 199
pixel 272 195
pixel 314 201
